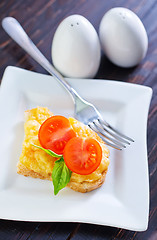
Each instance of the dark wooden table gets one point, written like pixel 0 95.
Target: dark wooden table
pixel 40 19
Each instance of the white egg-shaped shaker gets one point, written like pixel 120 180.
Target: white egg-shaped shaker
pixel 76 48
pixel 123 37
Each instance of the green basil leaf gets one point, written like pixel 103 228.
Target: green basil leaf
pixel 61 175
pixel 48 151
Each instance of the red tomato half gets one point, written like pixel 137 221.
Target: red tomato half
pixel 54 133
pixel 82 156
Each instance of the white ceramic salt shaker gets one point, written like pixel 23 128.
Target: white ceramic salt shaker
pixel 123 37
pixel 76 48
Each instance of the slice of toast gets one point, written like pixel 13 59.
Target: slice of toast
pixel 36 163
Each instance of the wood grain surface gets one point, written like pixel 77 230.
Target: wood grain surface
pixel 40 20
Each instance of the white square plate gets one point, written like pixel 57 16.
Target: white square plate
pixel 123 200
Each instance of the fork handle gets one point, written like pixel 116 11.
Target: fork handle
pixel 17 33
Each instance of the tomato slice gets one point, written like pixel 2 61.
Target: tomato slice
pixel 82 155
pixel 54 133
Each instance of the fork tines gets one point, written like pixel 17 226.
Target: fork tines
pixel 110 135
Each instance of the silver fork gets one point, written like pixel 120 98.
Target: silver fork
pixel 84 111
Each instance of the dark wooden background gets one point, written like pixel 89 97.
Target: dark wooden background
pixel 40 19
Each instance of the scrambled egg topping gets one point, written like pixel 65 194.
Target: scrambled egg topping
pixel 40 162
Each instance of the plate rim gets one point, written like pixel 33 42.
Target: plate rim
pixel 10 68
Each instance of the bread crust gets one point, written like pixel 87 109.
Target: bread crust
pixel 23 170
pixel 83 187
pixel 87 186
